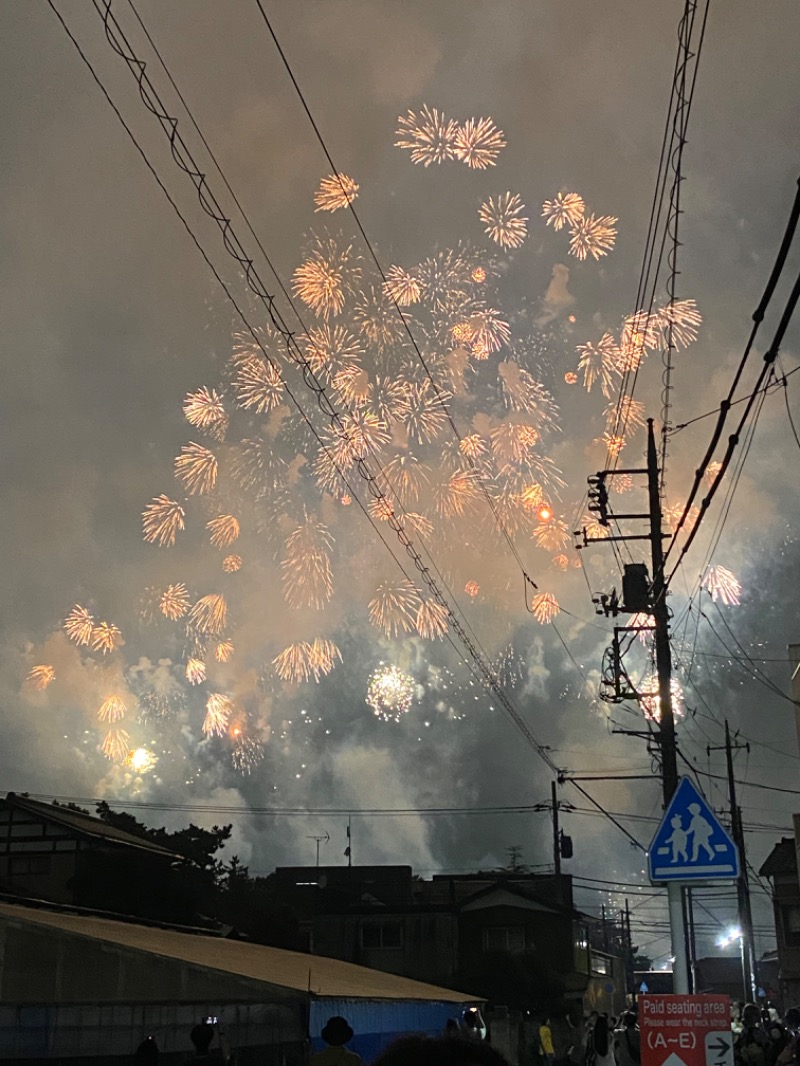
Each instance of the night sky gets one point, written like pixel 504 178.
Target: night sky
pixel 111 316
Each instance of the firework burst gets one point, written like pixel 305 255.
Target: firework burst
pixel 478 143
pixel 390 693
pixel 116 745
pixel 593 236
pixel 432 620
pixel 567 209
pixel 599 363
pixel 306 565
pixel 196 467
pixel 209 615
pixel 162 520
pixel 503 220
pixel 223 652
pixel 219 709
pixel 195 671
pixel 204 409
pixel 429 136
pixel 401 287
pixel 258 385
pixel 335 192
pixel 106 637
pixel 79 625
pixel 112 710
pixel 174 601
pixel 723 585
pixel 394 607
pixel 232 563
pixel 140 760
pixel 544 607
pixel 41 676
pixel 324 279
pixel 223 530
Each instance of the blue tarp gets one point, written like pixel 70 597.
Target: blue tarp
pixel 376 1023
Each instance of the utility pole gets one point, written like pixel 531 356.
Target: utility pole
pixel 650 597
pixel 666 715
pixel 749 967
pixel 556 836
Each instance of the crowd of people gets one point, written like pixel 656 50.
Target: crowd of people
pixel 760 1038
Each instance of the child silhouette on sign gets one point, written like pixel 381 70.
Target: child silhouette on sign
pixel 702 831
pixel 679 838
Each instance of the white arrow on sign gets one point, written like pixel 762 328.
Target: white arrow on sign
pixel 719 1048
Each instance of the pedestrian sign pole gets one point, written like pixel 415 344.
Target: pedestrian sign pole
pixel 689 846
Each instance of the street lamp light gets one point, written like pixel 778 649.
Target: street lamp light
pixel 728 938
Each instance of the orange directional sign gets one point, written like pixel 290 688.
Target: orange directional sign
pixel 686 1030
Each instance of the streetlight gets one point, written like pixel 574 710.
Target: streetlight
pixel 728 938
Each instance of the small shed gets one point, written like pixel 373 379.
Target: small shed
pixel 82 986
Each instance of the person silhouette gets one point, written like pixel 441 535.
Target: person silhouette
pixel 678 839
pixel 701 830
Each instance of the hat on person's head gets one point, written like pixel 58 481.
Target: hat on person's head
pixel 336 1031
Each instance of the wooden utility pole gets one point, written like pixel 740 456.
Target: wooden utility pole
pixel 556 835
pixel 749 967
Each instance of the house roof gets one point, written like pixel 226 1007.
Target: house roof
pixel 781 860
pixel 84 825
pixel 313 975
pixel 507 892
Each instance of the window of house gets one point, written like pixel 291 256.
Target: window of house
pixel 28 865
pixel 790 920
pixel 599 964
pixel 583 937
pixel 504 938
pixel 380 935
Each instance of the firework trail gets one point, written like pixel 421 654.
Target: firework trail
pixel 41 676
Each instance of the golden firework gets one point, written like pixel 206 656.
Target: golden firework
pixel 223 652
pixel 473 446
pixel 140 760
pixel 219 708
pixel 455 495
pixel 478 274
pixel 645 623
pixel 544 607
pixel 593 236
pixel 116 745
pixel 640 331
pixel 209 615
pixel 432 620
pixel 41 676
pixel 599 363
pixel 196 467
pixel 223 530
pixel 259 386
pixel 503 220
pixel 377 318
pixel 612 442
pixel 561 562
pixel 552 535
pixel 112 709
pixel 174 601
pixel 628 414
pixel 532 499
pixel 512 441
pixel 406 477
pixel 204 408
pixel 331 350
pixel 401 287
pixel 306 565
pixel 394 607
pixel 79 625
pixel 325 277
pixel 567 209
pixel 478 143
pixel 419 524
pixel 472 588
pixel 106 637
pixel 195 671
pixel 593 529
pixel 426 415
pixel 162 520
pixel 299 662
pixel 232 563
pixel 335 192
pixel 571 377
pixel 380 509
pixel 429 136
pixel 489 332
pixel 680 322
pixel 712 470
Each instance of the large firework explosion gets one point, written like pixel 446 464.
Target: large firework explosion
pixel 447 420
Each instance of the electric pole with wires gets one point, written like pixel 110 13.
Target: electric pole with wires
pixel 642 595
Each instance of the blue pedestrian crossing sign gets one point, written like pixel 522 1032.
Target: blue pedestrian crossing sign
pixel 690 844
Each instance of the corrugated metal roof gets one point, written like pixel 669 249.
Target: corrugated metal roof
pixel 84 824
pixel 286 969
